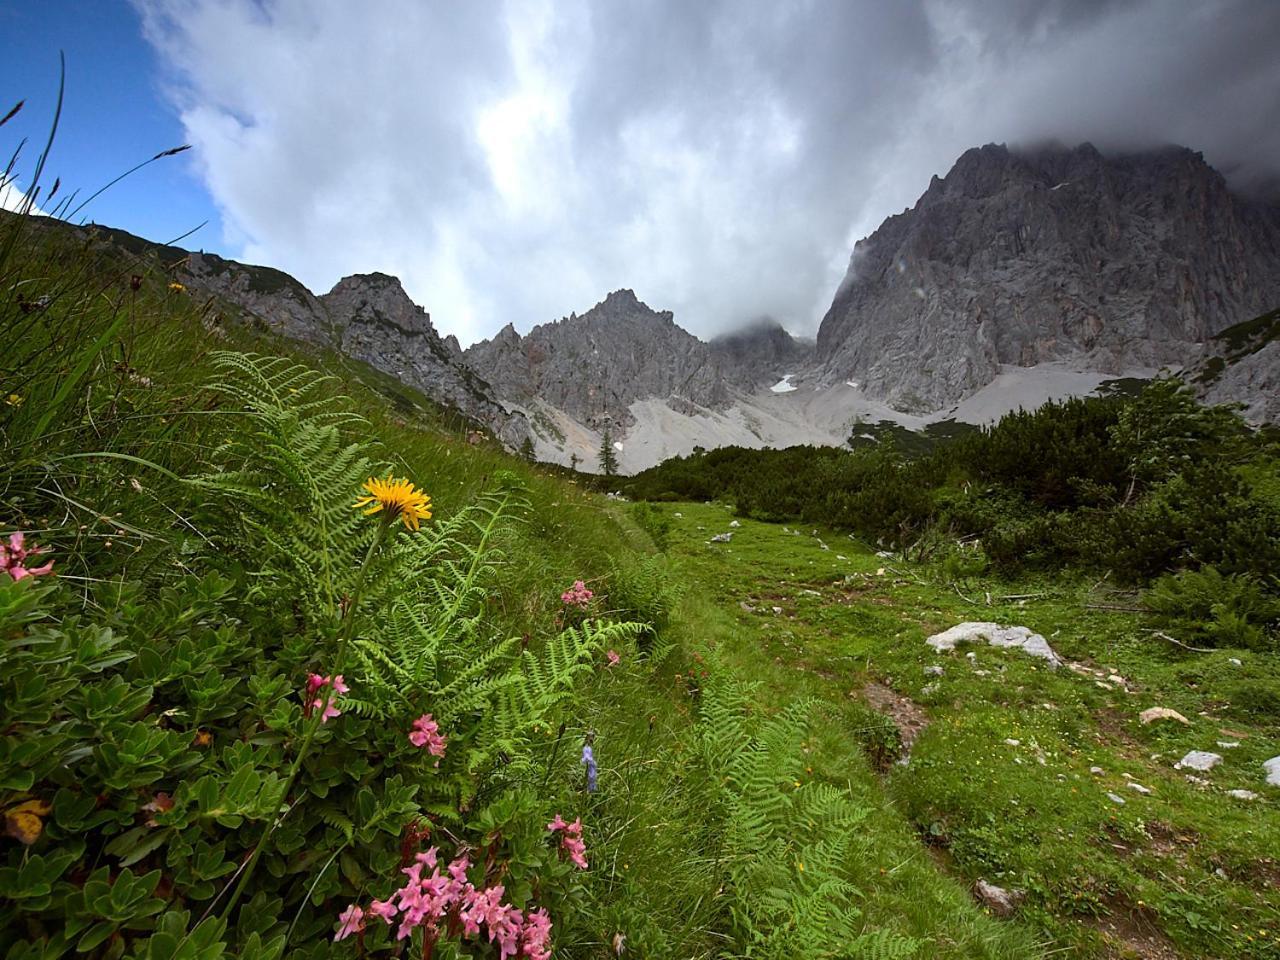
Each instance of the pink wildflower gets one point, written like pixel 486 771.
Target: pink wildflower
pixel 351 921
pixel 613 658
pixel 13 556
pixel 577 851
pixel 426 733
pixel 385 910
pixel 478 907
pixel 535 936
pixel 329 705
pixel 459 867
pixel 577 596
pixel 504 929
pixel 571 843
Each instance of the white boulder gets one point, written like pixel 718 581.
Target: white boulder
pixel 1201 760
pixel 994 635
pixel 1272 767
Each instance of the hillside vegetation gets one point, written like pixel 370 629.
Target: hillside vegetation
pixel 241 715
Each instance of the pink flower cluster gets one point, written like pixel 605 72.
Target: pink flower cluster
pixel 426 901
pixel 577 596
pixel 613 657
pixel 329 704
pixel 571 843
pixel 13 556
pixel 426 733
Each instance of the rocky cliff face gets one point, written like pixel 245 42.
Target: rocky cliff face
pixel 1242 365
pixel 368 317
pixel 760 353
pixel 594 366
pixel 1113 263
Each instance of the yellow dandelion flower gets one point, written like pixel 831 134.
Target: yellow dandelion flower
pixel 398 497
pixel 13 400
pixel 177 287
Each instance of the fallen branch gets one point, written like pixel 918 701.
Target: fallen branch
pixel 1115 606
pixel 1185 646
pixel 1023 596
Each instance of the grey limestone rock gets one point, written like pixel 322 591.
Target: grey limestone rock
pixel 594 366
pixel 1051 254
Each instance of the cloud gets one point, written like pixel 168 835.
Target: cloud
pixel 14 199
pixel 515 162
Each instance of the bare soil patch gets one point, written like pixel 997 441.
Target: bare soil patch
pixel 907 715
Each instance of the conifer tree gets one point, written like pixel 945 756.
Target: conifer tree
pixel 608 459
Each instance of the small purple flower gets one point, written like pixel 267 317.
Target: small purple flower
pixel 589 758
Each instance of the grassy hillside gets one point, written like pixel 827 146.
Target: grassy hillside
pixel 240 717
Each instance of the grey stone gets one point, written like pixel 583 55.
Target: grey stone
pixel 1199 760
pixel 1272 767
pixel 997 636
pixel 594 366
pixel 998 900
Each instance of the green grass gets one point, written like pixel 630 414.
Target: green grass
pixel 1191 868
pixel 1030 817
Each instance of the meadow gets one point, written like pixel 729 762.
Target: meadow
pixel 314 674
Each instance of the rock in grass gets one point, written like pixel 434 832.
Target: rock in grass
pixel 1139 787
pixel 1116 798
pixel 933 671
pixel 721 537
pixel 994 635
pixel 1242 794
pixel 1272 767
pixel 734 523
pixel 1204 761
pixel 1152 714
pixel 998 900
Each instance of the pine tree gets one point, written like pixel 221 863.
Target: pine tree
pixel 526 449
pixel 574 460
pixel 608 459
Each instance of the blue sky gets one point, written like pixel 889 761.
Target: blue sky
pixel 114 115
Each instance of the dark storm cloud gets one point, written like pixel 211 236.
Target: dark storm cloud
pixel 514 162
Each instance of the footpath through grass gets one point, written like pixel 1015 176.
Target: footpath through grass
pixel 1021 775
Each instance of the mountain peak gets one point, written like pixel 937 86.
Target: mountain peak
pixel 1043 253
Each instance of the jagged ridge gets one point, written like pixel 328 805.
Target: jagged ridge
pixel 1022 257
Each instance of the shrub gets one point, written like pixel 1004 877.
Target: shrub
pixel 1226 611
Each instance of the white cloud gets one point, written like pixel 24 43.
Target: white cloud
pixel 517 161
pixel 13 197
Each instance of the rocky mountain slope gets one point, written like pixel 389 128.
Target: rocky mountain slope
pixel 1025 257
pixel 593 367
pixel 1242 365
pixel 1021 276
pixel 761 352
pixel 366 316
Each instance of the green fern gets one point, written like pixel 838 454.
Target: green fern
pixel 292 475
pixel 785 843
